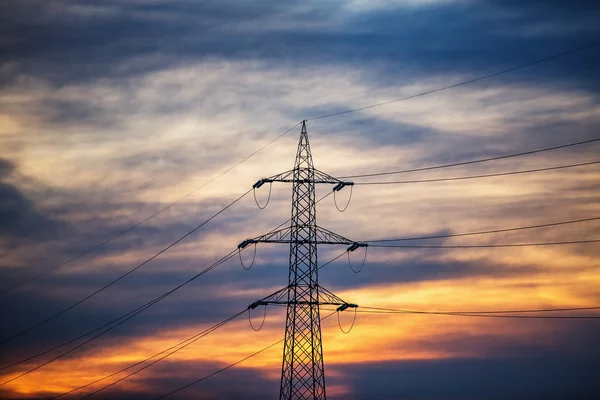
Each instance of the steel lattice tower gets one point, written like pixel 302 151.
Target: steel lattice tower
pixel 302 371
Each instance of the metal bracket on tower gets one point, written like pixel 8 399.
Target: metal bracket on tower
pixel 345 306
pixel 355 246
pixel 258 184
pixel 342 185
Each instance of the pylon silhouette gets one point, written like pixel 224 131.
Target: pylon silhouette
pixel 302 371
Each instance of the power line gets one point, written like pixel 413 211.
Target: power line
pixel 505 71
pixel 180 346
pixel 121 321
pixel 485 245
pixel 482 232
pixel 332 260
pixel 118 235
pixel 117 321
pixel 124 275
pixel 219 370
pixel 472 161
pixel 124 318
pixel 472 313
pixel 457 178
pixel 539 310
pixel 375 310
pixel 228 366
pixel 151 303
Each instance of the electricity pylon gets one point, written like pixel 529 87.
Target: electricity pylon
pixel 302 371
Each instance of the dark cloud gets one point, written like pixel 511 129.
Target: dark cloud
pixel 69 42
pixel 6 167
pixel 19 217
pixel 101 40
pixel 471 379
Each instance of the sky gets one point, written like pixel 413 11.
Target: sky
pixel 111 110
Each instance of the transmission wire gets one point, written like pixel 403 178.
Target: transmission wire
pixel 375 310
pixel 11 288
pixel 470 162
pixel 228 366
pixel 128 315
pixel 482 232
pixel 189 342
pixel 539 61
pixel 485 245
pixel 457 178
pixel 131 315
pixel 124 275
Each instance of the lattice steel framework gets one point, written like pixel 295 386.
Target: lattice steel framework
pixel 302 371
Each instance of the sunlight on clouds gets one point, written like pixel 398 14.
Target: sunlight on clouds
pixel 397 337
pixel 128 148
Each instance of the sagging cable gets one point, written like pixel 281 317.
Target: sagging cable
pixel 252 306
pixel 353 247
pixel 335 198
pixel 242 246
pixel 258 185
pixel 342 308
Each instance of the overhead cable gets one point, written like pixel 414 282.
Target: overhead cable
pixel 125 317
pixel 118 235
pixel 481 160
pixel 120 320
pixel 115 322
pixel 482 232
pixel 376 310
pixel 458 178
pixel 504 71
pixel 227 367
pixel 172 350
pixel 407 246
pixel 518 311
pixel 64 310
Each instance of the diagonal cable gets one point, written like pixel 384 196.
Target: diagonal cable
pixel 118 235
pixel 228 366
pixel 484 246
pixel 482 232
pixel 481 160
pixel 505 71
pixel 458 178
pixel 170 351
pixel 64 310
pixel 124 318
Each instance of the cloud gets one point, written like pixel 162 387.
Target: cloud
pixel 19 217
pixel 525 377
pixel 131 105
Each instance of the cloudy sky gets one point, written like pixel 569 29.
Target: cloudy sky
pixel 111 110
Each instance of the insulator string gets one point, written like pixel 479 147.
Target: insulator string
pixel 253 258
pixel 268 198
pixel 261 324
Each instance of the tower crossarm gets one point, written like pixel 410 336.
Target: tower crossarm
pixel 323 236
pixel 319 177
pixel 280 297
